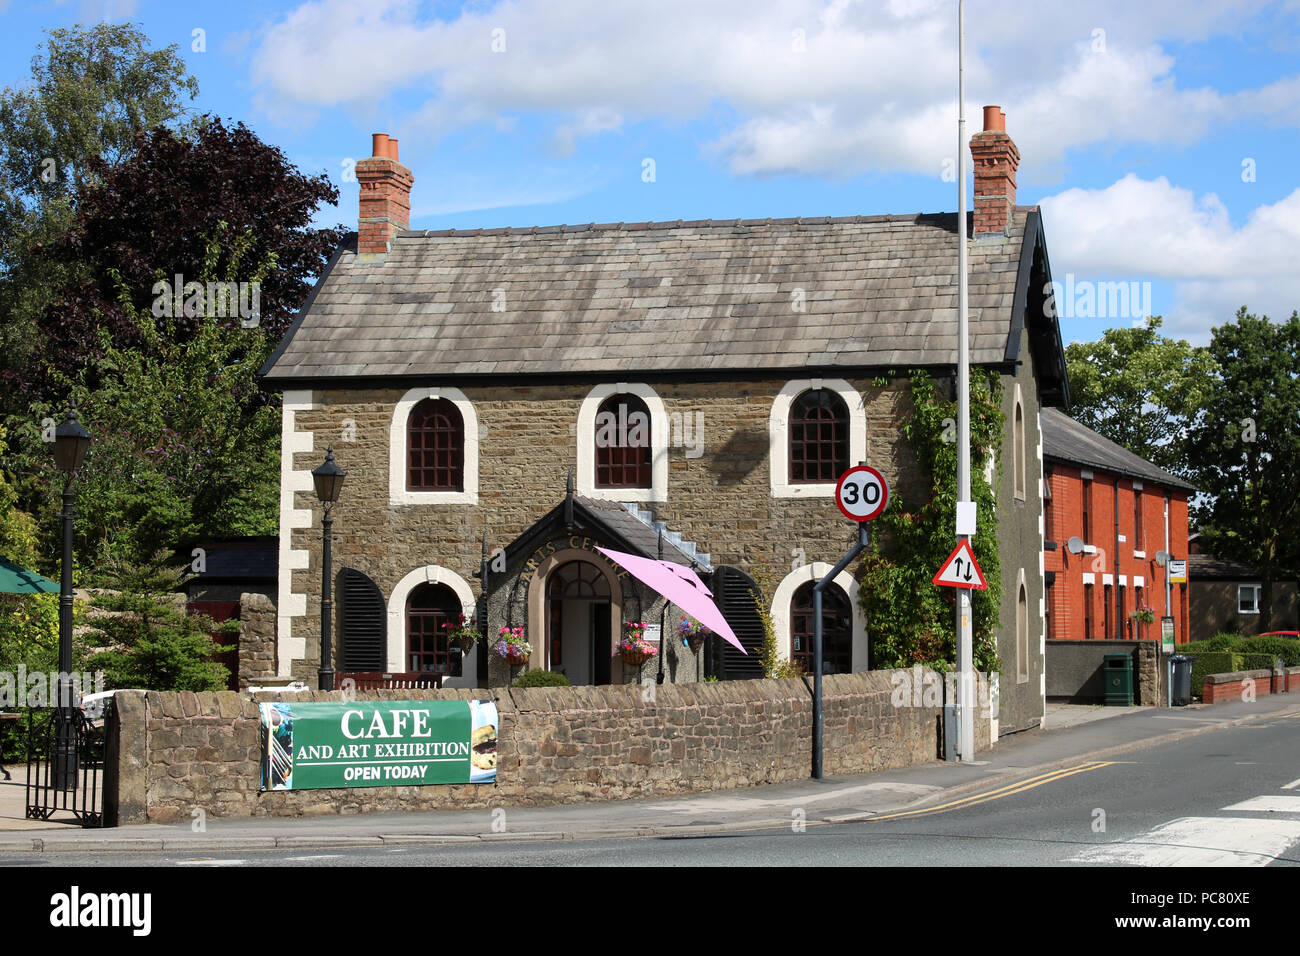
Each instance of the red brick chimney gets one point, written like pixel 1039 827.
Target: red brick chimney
pixel 996 160
pixel 385 197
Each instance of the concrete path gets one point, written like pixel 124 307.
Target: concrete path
pixel 832 800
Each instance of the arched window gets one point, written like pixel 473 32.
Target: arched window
pixel 623 443
pixel 1018 442
pixel 435 447
pixel 1022 635
pixel 837 629
pixel 432 611
pixel 819 437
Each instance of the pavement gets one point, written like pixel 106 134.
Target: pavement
pixel 1081 733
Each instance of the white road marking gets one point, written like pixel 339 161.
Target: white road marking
pixel 210 862
pixel 318 856
pixel 726 804
pixel 1273 804
pixel 1292 785
pixel 1201 841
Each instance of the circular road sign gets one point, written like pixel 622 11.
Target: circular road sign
pixel 862 493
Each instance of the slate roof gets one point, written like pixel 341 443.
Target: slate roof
pixel 1064 439
pixel 706 296
pixel 1209 567
pixel 247 559
pixel 616 521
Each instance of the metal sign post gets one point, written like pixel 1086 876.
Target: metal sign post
pixel 965 508
pixel 861 494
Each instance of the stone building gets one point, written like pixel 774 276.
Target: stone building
pixel 527 395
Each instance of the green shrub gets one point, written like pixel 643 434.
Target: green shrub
pixel 1223 641
pixel 1214 662
pixel 1194 647
pixel 1283 647
pixel 540 678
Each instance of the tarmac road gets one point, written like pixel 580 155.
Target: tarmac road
pixel 1228 795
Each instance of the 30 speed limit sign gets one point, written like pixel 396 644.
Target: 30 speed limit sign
pixel 862 493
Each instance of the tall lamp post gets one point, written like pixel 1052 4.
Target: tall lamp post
pixel 71 441
pixel 328 479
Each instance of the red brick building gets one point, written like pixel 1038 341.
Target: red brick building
pixel 1106 515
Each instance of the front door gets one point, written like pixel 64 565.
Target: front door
pixel 578 623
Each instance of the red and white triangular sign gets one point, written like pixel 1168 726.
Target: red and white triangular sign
pixel 961 570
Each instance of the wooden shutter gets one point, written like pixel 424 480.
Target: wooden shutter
pixel 364 619
pixel 731 587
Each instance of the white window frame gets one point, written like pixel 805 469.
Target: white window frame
pixel 1256 593
pixel 586 478
pixel 784 595
pixel 398 433
pixel 778 431
pixel 429 574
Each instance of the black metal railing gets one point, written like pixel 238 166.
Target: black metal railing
pixel 65 757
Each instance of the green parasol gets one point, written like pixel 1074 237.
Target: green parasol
pixel 18 580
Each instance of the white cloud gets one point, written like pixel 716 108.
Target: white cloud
pixel 1151 230
pixel 863 86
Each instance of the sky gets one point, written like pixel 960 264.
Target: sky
pixel 1160 138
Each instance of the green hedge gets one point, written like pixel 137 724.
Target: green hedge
pixel 1283 647
pixel 1212 662
pixel 540 678
pixel 1257 662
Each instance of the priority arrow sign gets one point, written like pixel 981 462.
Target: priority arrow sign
pixel 961 570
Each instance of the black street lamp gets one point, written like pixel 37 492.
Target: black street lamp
pixel 70 443
pixel 328 479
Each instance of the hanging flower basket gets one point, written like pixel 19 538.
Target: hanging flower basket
pixel 511 646
pixel 636 651
pixel 463 635
pixel 1143 615
pixel 693 633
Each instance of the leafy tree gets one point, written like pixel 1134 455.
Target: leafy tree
pixel 1244 448
pixel 910 619
pixel 151 642
pixel 1139 389
pixel 92 90
pixel 155 216
pixel 181 446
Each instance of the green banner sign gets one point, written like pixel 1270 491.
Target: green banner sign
pixel 397 743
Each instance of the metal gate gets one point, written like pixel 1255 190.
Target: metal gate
pixel 65 758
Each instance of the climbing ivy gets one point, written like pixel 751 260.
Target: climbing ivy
pixel 910 619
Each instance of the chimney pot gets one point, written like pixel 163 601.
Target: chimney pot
pixel 392 149
pixel 379 144
pixel 995 121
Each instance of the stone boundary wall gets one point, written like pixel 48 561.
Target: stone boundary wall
pixel 181 752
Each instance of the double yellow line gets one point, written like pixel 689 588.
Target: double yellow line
pixel 1020 786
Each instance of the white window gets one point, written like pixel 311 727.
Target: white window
pixel 805 452
pixel 621 424
pixel 399 451
pixel 1248 598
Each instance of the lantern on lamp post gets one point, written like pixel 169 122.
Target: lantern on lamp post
pixel 328 480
